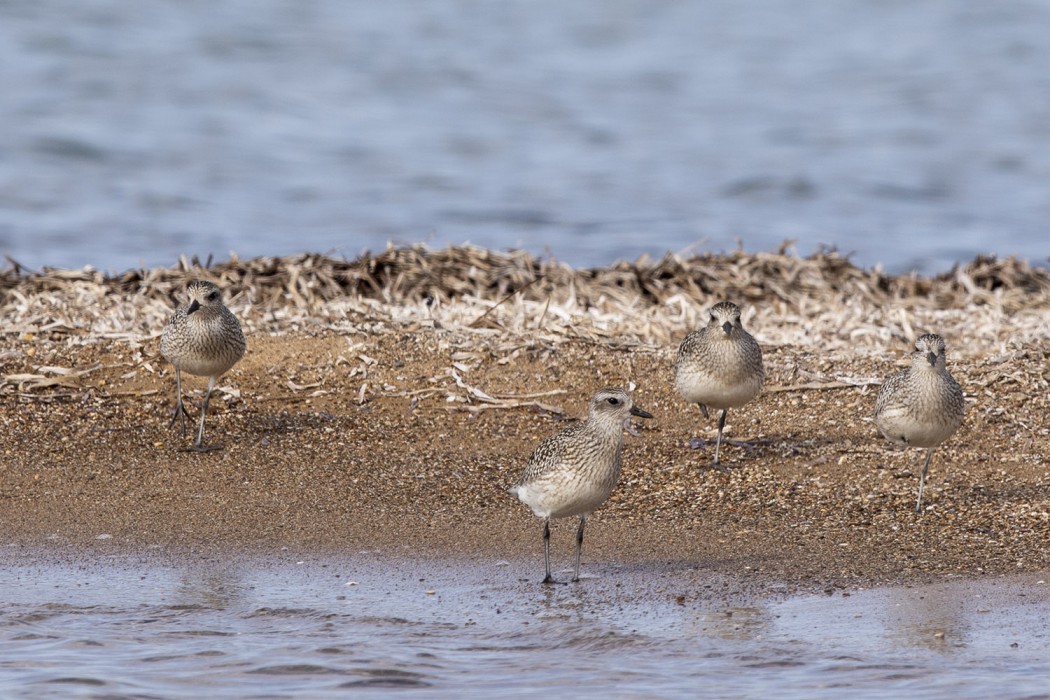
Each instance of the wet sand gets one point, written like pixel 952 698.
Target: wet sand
pixel 397 426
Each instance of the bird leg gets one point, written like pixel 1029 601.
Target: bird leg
pixel 198 446
pixel 579 546
pixel 699 442
pixel 547 550
pixel 721 425
pixel 922 478
pixel 180 408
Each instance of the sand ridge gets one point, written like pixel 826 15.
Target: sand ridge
pixel 396 420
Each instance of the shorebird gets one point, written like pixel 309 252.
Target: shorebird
pixel 923 405
pixel 719 366
pixel 574 471
pixel 204 338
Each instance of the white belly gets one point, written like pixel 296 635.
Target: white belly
pixel 548 500
pixel 903 427
pixel 704 387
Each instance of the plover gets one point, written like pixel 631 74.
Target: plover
pixel 202 337
pixel 923 405
pixel 719 366
pixel 574 471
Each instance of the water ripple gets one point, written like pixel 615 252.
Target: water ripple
pixel 294 633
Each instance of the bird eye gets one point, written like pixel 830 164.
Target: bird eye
pixel 613 401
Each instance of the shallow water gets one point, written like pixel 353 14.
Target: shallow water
pixel 280 628
pixel 911 133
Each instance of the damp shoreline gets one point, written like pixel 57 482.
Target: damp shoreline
pixel 368 622
pixel 388 401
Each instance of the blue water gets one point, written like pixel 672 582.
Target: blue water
pixel 282 628
pixel 913 134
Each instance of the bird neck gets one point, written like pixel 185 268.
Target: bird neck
pixel 603 424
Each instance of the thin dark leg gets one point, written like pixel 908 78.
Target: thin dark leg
pixel 922 478
pixel 204 411
pixel 180 409
pixel 198 446
pixel 579 546
pixel 699 442
pixel 547 550
pixel 721 425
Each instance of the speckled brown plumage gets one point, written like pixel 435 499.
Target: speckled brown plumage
pixel 204 338
pixel 923 405
pixel 574 471
pixel 719 366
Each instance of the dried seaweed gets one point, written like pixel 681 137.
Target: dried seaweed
pixel 787 298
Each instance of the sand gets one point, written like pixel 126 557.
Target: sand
pixel 367 415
